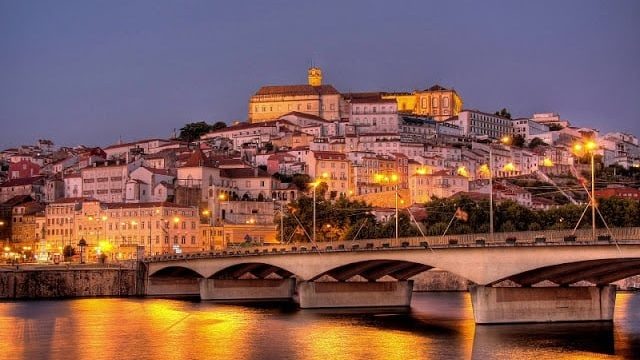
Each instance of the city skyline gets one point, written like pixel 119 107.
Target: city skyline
pixel 81 73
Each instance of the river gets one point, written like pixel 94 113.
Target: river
pixel 438 326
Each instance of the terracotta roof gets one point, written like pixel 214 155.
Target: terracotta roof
pixel 243 173
pixel 329 155
pixel 73 200
pixel 305 115
pixel 143 205
pixel 21 181
pixel 131 143
pixel 372 100
pixel 297 90
pixel 362 95
pixel 17 200
pixel 157 171
pixel 197 159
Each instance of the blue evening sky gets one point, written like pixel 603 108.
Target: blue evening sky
pixel 90 72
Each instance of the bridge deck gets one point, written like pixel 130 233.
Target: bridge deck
pixel 582 237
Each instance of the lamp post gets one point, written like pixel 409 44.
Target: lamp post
pixel 590 147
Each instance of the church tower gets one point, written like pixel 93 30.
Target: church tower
pixel 314 75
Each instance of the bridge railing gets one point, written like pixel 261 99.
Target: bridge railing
pixel 581 236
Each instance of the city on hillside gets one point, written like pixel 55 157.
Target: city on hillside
pixel 312 163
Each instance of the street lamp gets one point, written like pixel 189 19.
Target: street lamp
pixel 590 147
pixel 315 186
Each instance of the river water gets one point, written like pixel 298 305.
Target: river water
pixel 438 326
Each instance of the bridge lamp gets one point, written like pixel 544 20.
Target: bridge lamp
pixel 315 186
pixel 579 149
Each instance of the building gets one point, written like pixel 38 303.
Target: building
pixel 436 102
pixel 550 119
pixel 440 184
pixel 479 124
pixel 24 230
pixel 373 115
pixel 333 169
pixel 106 181
pixel 32 186
pixel 23 169
pixel 271 102
pixel 528 128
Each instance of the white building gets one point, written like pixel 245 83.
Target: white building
pixel 479 124
pixel 373 115
pixel 528 128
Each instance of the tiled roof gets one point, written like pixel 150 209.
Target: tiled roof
pixel 21 181
pixel 297 90
pixel 243 173
pixel 372 100
pixel 143 205
pixel 114 146
pixel 305 115
pixel 329 155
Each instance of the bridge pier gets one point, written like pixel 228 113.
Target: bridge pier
pixel 496 305
pixel 354 294
pixel 171 287
pixel 247 290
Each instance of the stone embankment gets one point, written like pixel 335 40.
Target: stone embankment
pixel 47 281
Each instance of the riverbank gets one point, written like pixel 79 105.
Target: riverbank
pixel 51 282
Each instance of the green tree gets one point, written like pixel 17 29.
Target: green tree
pixel 518 140
pixel 68 251
pixel 301 181
pixel 504 113
pixel 218 125
pixel 535 142
pixel 555 127
pixel 193 131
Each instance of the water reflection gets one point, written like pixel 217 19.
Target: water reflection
pixel 439 326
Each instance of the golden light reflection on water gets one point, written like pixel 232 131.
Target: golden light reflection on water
pixel 439 326
pixel 328 341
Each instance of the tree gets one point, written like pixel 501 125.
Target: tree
pixel 504 113
pixel 218 125
pixel 535 142
pixel 518 140
pixel 193 131
pixel 555 127
pixel 301 181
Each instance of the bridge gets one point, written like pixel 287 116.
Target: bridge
pixel 558 275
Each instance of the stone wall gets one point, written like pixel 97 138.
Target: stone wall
pixel 62 283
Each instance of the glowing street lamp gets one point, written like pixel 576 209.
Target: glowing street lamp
pixel 590 147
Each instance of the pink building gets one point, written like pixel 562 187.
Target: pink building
pixel 23 169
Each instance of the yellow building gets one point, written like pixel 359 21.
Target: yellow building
pixel 436 101
pixel 271 102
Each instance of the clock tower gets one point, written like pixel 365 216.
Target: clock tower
pixel 314 75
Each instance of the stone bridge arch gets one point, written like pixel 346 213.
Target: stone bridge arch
pixel 598 272
pixel 251 270
pixel 373 270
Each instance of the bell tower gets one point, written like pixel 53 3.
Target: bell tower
pixel 314 74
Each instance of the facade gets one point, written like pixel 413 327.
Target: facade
pixel 23 169
pixel 528 128
pixel 436 102
pixel 271 102
pixel 106 181
pixel 331 168
pixel 373 115
pixel 440 184
pixel 479 124
pixel 32 186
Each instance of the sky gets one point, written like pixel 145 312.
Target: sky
pixel 93 72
